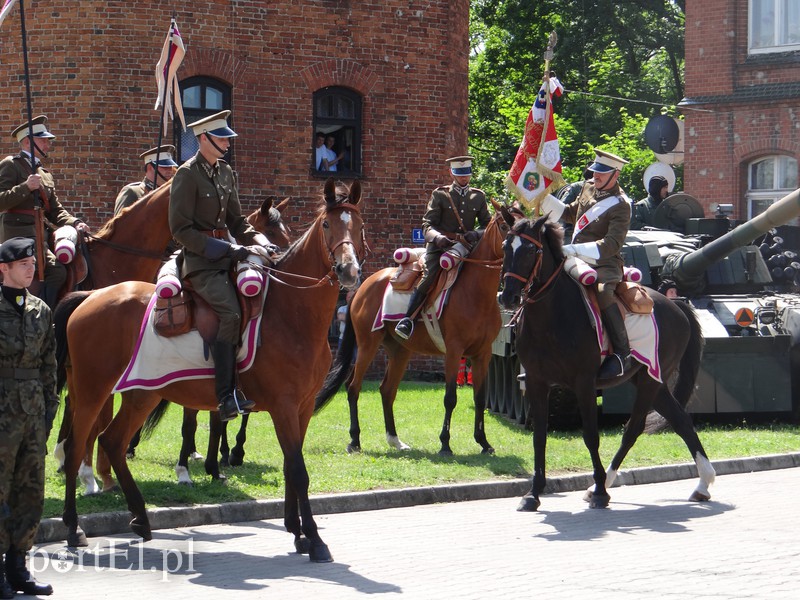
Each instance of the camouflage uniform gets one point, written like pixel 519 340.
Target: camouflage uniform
pixel 28 403
pixel 17 204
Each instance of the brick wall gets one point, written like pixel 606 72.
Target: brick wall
pixel 92 72
pixel 749 103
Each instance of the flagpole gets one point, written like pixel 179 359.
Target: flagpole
pixel 156 173
pixel 552 40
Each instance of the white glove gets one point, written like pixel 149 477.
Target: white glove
pixel 569 250
pixel 552 207
pixel 262 251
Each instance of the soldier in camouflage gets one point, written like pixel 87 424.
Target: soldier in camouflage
pixel 28 404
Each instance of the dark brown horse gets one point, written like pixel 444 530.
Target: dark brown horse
pixel 288 369
pixel 131 247
pixel 557 345
pixel 469 325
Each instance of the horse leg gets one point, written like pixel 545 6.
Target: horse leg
pixel 298 518
pixel 103 464
pixel 215 429
pixel 237 452
pixel 587 404
pixel 63 432
pixel 537 394
pixel 134 443
pixel 681 423
pixel 136 405
pixel 480 368
pixel 451 364
pixel 395 369
pixel 224 448
pixel 188 429
pixel 366 352
pixel 86 471
pixel 189 435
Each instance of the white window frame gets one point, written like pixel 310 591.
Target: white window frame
pixel 780 9
pixel 771 195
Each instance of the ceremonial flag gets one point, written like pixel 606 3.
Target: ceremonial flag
pixel 536 170
pixel 168 89
pixel 7 6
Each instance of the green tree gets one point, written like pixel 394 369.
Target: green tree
pixel 620 62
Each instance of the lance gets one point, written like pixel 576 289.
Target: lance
pixel 41 255
pixel 164 74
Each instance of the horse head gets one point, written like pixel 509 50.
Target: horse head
pixel 531 255
pixel 343 230
pixel 490 246
pixel 267 219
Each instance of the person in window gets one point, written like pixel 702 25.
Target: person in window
pixel 333 158
pixel 160 156
pixel 452 215
pixel 204 216
pixel 20 194
pixel 320 152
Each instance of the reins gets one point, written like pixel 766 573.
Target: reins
pixel 125 249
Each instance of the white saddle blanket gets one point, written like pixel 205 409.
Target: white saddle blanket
pixel 642 335
pixel 395 304
pixel 158 361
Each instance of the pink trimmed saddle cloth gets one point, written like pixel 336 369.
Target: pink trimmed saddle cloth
pixel 158 361
pixel 395 304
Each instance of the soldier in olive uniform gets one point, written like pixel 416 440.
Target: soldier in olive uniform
pixel 451 216
pixel 158 163
pixel 19 195
pixel 28 404
pixel 601 215
pixel 643 210
pixel 204 216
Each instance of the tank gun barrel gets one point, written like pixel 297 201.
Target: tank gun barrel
pixel 693 265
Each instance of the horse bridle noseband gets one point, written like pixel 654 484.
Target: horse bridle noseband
pixel 534 276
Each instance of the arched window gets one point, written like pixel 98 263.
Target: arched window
pixel 337 125
pixel 769 179
pixel 201 96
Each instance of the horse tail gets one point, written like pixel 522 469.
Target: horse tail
pixel 689 366
pixel 62 313
pixel 342 367
pixel 154 418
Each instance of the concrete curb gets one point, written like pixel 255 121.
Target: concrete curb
pixel 103 524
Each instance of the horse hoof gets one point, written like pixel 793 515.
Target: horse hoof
pixel 599 501
pixel 141 528
pixel 130 455
pixel 445 452
pixel 187 483
pixel 77 539
pixel 112 489
pixel 220 478
pixel 319 553
pixel 302 545
pixel 236 459
pixel 487 450
pixel 223 462
pixel 351 449
pixel 195 456
pixel 529 504
pixel 699 497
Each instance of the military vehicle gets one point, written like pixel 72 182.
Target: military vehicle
pixel 746 299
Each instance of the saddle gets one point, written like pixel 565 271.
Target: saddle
pixel 411 266
pixel 630 296
pixel 188 310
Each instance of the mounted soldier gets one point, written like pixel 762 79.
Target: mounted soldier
pixel 22 190
pixel 158 164
pixel 601 215
pixel 452 214
pixel 204 216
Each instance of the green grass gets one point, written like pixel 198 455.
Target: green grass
pixel 418 413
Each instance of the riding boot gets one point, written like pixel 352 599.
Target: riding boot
pixel 405 327
pixel 6 591
pixel 615 364
pixel 20 579
pixel 231 404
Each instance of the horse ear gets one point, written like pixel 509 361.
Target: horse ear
pixel 507 216
pixel 330 191
pixel 497 206
pixel 355 192
pixel 282 204
pixel 267 204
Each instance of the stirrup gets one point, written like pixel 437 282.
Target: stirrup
pixel 404 328
pixel 613 366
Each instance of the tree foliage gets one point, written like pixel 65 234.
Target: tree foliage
pixel 621 63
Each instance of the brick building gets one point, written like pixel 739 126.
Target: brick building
pixel 742 124
pixel 387 79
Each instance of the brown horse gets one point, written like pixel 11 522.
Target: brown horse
pixel 469 325
pixel 131 247
pixel 288 368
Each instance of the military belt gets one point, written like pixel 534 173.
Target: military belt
pixel 18 373
pixel 220 234
pixel 21 211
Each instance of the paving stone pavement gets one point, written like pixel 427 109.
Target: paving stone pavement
pixel 651 542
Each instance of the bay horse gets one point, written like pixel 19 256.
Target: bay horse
pixel 288 368
pixel 469 324
pixel 131 246
pixel 557 345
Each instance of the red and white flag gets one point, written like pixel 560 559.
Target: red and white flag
pixel 7 6
pixel 536 170
pixel 166 75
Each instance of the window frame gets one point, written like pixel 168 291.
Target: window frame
pixel 192 114
pixel 774 193
pixel 780 10
pixel 340 127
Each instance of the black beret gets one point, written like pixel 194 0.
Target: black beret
pixel 16 249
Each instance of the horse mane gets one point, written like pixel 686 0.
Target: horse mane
pixel 553 236
pixel 107 230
